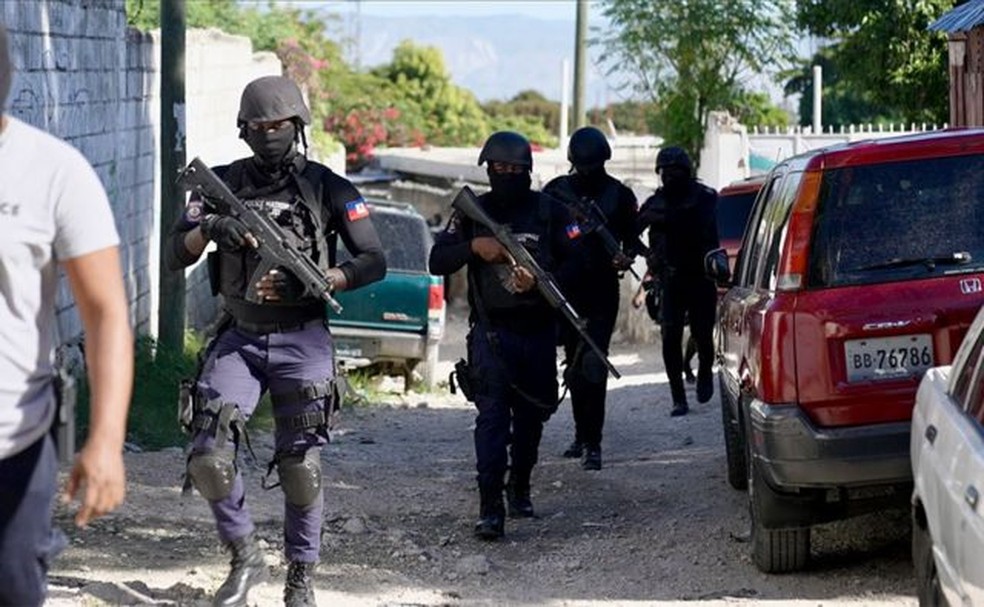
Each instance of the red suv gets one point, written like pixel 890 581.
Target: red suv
pixel 860 269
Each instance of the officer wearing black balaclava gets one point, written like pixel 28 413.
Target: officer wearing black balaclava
pixel 281 344
pixel 597 201
pixel 682 221
pixel 511 343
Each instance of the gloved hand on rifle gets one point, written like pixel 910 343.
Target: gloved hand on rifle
pixel 228 233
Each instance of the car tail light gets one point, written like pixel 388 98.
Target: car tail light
pixel 435 308
pixel 796 250
pixel 435 298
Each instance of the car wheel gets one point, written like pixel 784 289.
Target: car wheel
pixel 927 579
pixel 773 550
pixel 428 366
pixel 734 445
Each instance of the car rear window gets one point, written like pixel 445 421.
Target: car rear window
pixel 406 240
pixel 732 214
pixel 899 221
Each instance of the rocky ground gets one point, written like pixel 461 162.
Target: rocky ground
pixel 657 526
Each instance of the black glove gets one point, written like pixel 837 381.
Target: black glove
pixel 228 233
pixel 716 267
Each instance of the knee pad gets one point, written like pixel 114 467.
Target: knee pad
pixel 212 473
pixel 300 476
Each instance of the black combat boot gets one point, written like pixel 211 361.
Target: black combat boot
pixel 299 589
pixel 518 495
pixel 679 395
pixel 592 457
pixel 575 450
pixel 705 384
pixel 248 570
pixel 492 514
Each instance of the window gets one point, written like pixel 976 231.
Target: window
pixel 406 240
pixel 777 220
pixel 898 221
pixel 732 214
pixel 961 386
pixel 755 234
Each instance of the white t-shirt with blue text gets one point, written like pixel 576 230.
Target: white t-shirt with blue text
pixel 52 208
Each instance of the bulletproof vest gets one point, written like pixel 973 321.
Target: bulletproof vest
pixel 529 222
pixel 685 220
pixel 606 198
pixel 301 215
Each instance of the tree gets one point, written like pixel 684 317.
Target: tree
pixel 843 103
pixel 753 108
pixel 529 113
pixel 884 54
pixel 691 56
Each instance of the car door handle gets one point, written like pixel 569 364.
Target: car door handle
pixel 931 433
pixel 971 497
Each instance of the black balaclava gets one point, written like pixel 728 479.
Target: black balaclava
pixel 6 69
pixel 509 187
pixel 271 148
pixel 589 176
pixel 675 179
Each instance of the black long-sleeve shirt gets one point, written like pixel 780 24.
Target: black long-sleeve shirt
pixel 682 229
pixel 343 212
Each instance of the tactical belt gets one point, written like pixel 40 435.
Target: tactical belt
pixel 286 314
pixel 265 328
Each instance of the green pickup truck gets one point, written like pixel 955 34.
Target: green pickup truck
pixel 396 324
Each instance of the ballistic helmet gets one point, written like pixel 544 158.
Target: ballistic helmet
pixel 588 148
pixel 509 147
pixel 272 98
pixel 6 68
pixel 673 156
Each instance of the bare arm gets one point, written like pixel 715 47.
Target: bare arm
pixel 97 286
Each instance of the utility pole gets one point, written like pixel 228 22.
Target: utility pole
pixel 580 50
pixel 171 319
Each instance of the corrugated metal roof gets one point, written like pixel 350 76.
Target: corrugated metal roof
pixel 961 19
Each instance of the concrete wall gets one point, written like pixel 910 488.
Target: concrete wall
pixel 217 68
pixel 82 75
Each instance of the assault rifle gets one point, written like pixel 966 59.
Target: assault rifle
pixel 467 203
pixel 591 220
pixel 273 246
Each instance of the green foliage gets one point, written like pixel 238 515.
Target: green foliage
pixel 635 117
pixel 528 112
pixel 691 56
pixel 446 113
pixel 887 62
pixel 756 109
pixel 843 103
pixel 153 421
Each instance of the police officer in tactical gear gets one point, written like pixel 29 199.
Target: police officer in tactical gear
pixel 595 199
pixel 682 221
pixel 512 366
pixel 281 345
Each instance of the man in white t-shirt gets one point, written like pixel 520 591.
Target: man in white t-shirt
pixel 53 212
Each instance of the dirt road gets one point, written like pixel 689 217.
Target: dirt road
pixel 657 526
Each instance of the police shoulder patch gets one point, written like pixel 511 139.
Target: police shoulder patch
pixel 356 209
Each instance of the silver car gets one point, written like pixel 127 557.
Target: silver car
pixel 947 448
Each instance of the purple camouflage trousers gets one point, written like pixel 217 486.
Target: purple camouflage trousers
pixel 240 367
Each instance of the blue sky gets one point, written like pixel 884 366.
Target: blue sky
pixel 555 10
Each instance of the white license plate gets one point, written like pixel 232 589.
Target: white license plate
pixel 888 357
pixel 347 349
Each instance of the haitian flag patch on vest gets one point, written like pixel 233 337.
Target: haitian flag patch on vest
pixel 357 209
pixel 573 231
